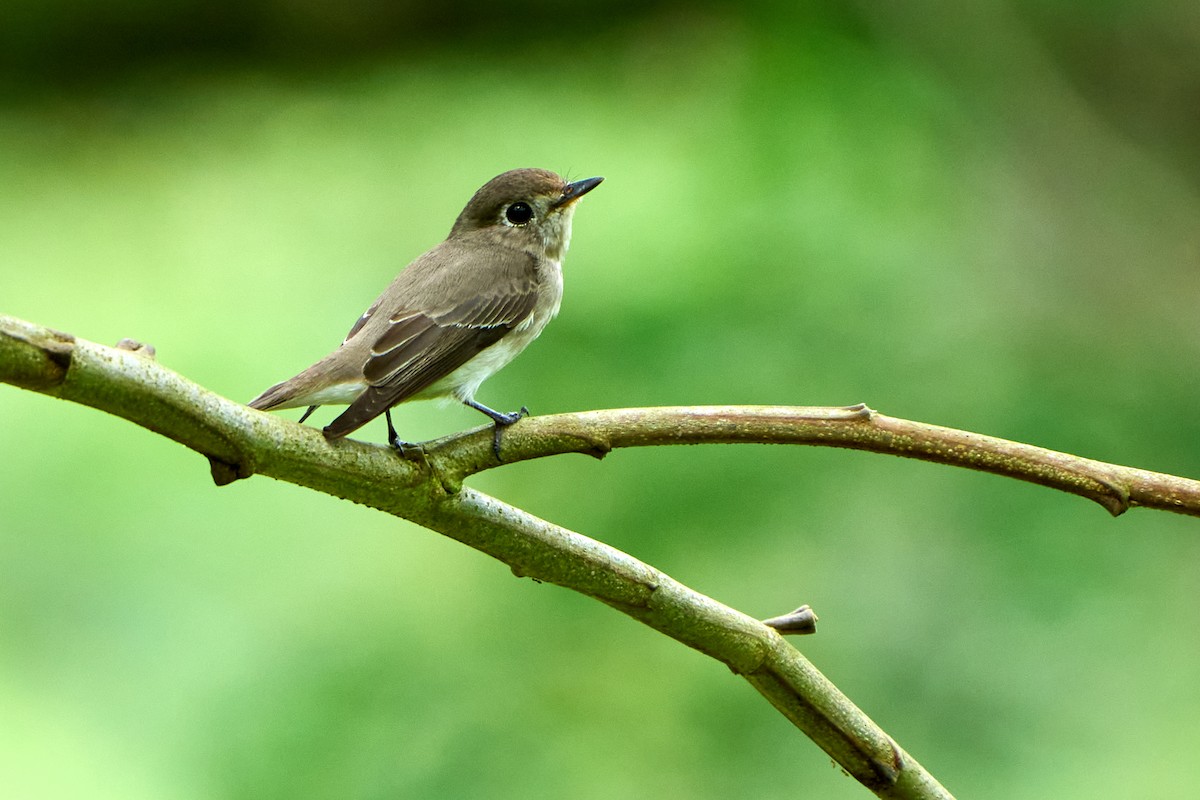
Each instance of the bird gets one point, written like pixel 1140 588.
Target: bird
pixel 454 316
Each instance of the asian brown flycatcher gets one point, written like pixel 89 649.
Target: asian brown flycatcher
pixel 454 316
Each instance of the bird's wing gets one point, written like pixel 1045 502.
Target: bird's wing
pixel 428 338
pixel 358 323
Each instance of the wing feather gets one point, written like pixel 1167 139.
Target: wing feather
pixel 420 347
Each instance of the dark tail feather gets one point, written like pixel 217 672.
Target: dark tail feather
pixel 369 405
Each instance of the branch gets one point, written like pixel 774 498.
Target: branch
pixel 595 433
pixel 239 442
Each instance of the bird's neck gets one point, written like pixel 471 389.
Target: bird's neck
pixel 556 234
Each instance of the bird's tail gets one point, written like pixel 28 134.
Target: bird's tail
pixel 305 389
pixel 278 396
pixel 331 381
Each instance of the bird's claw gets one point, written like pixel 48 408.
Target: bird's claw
pixel 502 422
pixel 407 450
pixel 503 419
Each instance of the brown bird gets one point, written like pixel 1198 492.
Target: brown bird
pixel 455 315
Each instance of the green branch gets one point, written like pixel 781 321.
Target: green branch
pixel 240 442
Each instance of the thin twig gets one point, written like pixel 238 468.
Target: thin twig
pixel 595 433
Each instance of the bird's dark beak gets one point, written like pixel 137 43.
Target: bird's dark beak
pixel 576 190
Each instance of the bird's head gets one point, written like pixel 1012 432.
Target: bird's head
pixel 526 208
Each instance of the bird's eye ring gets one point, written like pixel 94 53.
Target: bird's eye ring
pixel 519 213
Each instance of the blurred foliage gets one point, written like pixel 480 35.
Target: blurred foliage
pixel 980 216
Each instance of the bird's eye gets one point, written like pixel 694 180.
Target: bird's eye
pixel 518 213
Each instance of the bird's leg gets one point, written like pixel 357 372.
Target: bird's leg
pixel 502 420
pixel 405 449
pixel 499 417
pixel 306 414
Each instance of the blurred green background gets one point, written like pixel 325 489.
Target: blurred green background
pixel 983 216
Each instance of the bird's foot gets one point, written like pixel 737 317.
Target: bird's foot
pixel 411 451
pixel 502 421
pixel 408 450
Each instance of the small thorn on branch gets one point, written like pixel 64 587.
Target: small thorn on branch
pixel 859 410
pixel 800 622
pixel 134 346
